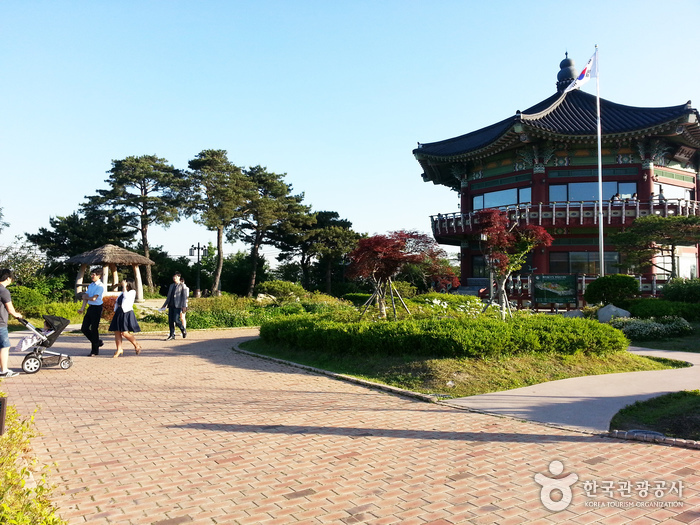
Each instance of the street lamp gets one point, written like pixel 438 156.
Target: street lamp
pixel 200 250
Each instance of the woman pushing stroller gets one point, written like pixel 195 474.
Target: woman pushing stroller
pixel 124 322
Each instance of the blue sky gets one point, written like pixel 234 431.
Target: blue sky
pixel 334 94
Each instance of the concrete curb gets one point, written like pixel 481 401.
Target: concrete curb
pixel 653 437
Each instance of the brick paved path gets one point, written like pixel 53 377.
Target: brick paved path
pixel 192 432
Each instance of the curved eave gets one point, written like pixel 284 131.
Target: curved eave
pixel 505 141
pixel 567 117
pixel 513 138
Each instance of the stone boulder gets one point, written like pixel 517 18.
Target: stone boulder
pixel 265 299
pixel 573 313
pixel 609 311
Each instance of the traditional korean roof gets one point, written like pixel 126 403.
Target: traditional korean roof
pixel 569 117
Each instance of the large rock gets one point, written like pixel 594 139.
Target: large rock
pixel 609 311
pixel 573 313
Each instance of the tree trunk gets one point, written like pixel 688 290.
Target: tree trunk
pixel 304 264
pixel 147 253
pixel 381 300
pixel 219 260
pixel 254 271
pixel 674 270
pixel 329 275
pixel 502 297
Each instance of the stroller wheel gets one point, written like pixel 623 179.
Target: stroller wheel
pixel 66 363
pixel 31 364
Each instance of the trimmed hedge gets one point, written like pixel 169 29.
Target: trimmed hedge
pixel 474 338
pixel 646 308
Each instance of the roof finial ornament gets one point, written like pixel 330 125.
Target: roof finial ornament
pixel 567 73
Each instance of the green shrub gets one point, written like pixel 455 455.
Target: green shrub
pixel 652 328
pixel 221 302
pixel 219 319
pixel 476 338
pixel 281 290
pixel 21 504
pixel 682 290
pixel 405 289
pixel 52 288
pixel 68 310
pixel 26 301
pixel 443 304
pixel 611 289
pixel 358 299
pixel 151 295
pixel 319 303
pixel 651 307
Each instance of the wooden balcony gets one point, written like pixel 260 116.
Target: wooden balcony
pixel 568 215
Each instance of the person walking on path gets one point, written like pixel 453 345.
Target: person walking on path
pixel 124 320
pixel 6 309
pixel 91 322
pixel 176 302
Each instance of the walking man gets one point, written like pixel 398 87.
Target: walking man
pixel 176 302
pixel 6 309
pixel 91 321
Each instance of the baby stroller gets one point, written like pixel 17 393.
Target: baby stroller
pixel 39 356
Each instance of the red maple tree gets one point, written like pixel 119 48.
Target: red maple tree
pixel 505 245
pixel 381 257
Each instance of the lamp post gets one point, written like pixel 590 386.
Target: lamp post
pixel 200 250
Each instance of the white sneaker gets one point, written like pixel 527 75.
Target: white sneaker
pixel 9 373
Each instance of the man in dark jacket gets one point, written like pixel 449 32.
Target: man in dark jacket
pixel 176 302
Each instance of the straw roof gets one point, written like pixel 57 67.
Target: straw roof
pixel 110 254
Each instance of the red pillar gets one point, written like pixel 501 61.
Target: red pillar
pixel 465 265
pixel 646 183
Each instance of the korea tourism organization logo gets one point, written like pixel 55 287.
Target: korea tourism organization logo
pixel 557 491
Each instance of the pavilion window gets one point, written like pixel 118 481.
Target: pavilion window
pixel 498 199
pixel 524 195
pixel 559 262
pixel 588 191
pixel 582 262
pixel 673 192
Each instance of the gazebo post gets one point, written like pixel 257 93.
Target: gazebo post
pixel 139 283
pixel 79 279
pixel 115 276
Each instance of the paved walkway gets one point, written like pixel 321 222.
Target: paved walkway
pixel 192 432
pixel 589 403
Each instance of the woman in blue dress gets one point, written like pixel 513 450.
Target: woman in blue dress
pixel 124 322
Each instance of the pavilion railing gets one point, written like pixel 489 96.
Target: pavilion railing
pixel 563 214
pixel 519 289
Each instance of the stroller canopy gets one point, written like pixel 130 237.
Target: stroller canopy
pixel 57 324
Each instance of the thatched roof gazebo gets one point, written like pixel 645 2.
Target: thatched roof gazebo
pixel 110 257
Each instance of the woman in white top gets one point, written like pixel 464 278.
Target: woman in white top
pixel 124 320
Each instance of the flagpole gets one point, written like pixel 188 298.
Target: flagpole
pixel 600 169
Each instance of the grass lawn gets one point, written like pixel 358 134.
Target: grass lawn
pixel 674 415
pixel 464 377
